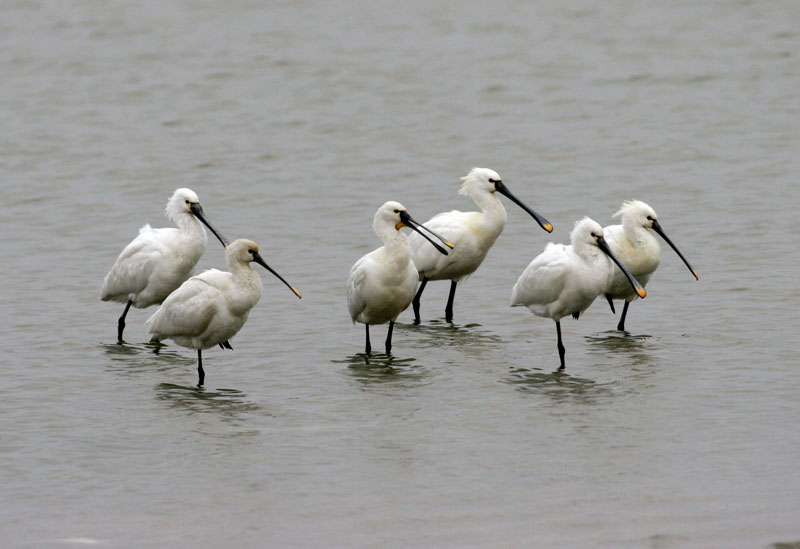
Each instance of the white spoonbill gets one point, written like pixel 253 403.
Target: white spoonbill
pixel 210 308
pixel 382 283
pixel 637 249
pixel 159 260
pixel 565 280
pixel 472 234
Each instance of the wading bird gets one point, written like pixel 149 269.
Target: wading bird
pixel 637 249
pixel 159 260
pixel 472 234
pixel 382 283
pixel 210 308
pixel 565 280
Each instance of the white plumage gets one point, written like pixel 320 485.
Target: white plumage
pixel 382 283
pixel 472 234
pixel 158 260
pixel 565 280
pixel 210 308
pixel 635 246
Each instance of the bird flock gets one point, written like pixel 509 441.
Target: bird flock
pixel 206 310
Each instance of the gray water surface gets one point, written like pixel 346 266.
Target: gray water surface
pixel 294 121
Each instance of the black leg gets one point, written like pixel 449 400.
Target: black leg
pixel 621 325
pixel 611 304
pixel 201 374
pixel 225 345
pixel 415 302
pixel 121 321
pixel 389 337
pixel 448 311
pixel 561 349
pixel 368 349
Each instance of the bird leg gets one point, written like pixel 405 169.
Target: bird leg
pixel 415 302
pixel 561 349
pixel 368 349
pixel 201 374
pixel 621 325
pixel 611 304
pixel 121 321
pixel 225 345
pixel 448 311
pixel 389 337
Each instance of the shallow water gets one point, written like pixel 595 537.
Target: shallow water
pixel 293 123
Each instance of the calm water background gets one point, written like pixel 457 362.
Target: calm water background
pixel 294 121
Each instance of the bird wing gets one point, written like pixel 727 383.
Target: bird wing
pixel 452 226
pixel 189 310
pixel 135 264
pixel 355 283
pixel 543 279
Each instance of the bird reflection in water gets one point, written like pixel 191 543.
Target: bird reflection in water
pixel 382 370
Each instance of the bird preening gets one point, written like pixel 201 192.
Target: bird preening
pixel 208 309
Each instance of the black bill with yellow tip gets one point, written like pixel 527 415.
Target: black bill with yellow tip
pixel 603 245
pixel 657 228
pixel 543 223
pixel 407 221
pixel 258 259
pixel 197 210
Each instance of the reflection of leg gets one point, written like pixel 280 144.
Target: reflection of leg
pixel 368 349
pixel 121 321
pixel 561 349
pixel 201 374
pixel 389 337
pixel 621 325
pixel 611 303
pixel 415 301
pixel 448 311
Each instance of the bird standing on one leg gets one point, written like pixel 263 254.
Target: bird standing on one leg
pixel 210 308
pixel 472 234
pixel 382 283
pixel 159 260
pixel 565 280
pixel 637 249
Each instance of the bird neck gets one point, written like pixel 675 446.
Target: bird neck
pixel 395 243
pixel 638 235
pixel 494 213
pixel 248 286
pixel 191 226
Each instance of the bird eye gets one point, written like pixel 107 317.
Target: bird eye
pixel 251 252
pixel 495 181
pixel 649 217
pixel 397 211
pixel 594 235
pixel 187 201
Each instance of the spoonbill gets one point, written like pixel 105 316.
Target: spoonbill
pixel 157 261
pixel 472 234
pixel 210 308
pixel 637 249
pixel 382 283
pixel 565 280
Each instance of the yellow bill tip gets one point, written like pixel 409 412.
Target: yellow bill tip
pixel 696 276
pixel 449 244
pixel 548 227
pixel 642 292
pixel 296 292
